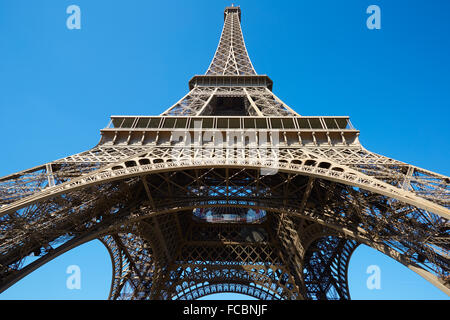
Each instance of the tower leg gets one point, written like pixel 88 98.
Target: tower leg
pixel 291 249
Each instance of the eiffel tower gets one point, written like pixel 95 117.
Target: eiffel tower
pixel 228 190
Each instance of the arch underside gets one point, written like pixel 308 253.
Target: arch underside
pixel 144 219
pixel 217 258
pixel 354 166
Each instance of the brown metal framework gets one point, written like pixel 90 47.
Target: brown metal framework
pixel 136 191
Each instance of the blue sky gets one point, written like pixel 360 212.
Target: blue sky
pixel 58 88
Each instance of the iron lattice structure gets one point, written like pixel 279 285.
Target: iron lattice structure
pixel 184 222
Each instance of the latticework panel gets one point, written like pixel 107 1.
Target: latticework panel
pixel 256 101
pixel 231 56
pixel 424 183
pixel 415 237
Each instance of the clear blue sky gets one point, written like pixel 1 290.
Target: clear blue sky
pixel 58 88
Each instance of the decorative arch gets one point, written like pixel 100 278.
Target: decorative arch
pixel 309 168
pixel 300 208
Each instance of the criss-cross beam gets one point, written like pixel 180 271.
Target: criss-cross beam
pixel 231 56
pixel 221 254
pixel 366 214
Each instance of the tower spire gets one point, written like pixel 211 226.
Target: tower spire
pixel 231 57
pixel 231 86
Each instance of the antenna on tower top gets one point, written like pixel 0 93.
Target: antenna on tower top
pixel 233 9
